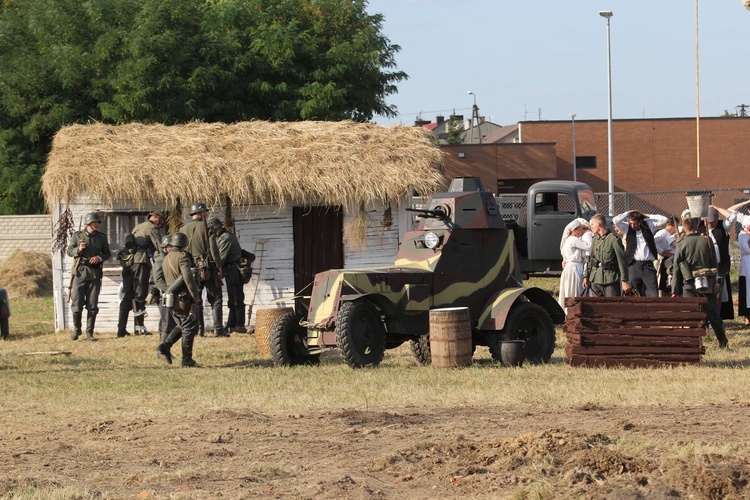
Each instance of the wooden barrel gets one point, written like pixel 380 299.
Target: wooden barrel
pixel 450 337
pixel 264 320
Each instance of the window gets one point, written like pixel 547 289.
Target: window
pixel 585 162
pixel 554 203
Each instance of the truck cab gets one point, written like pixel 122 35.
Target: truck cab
pixel 550 206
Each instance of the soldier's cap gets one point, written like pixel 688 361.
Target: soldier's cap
pixel 686 213
pixel 92 217
pixel 198 208
pixel 179 240
pixel 214 224
pixel 166 241
pixel 160 216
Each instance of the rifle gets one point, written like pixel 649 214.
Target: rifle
pixel 76 262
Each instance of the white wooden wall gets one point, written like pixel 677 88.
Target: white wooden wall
pixel 275 281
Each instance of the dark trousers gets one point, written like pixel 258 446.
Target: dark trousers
pixel 134 287
pixel 235 297
pixel 214 299
pixel 606 290
pixel 85 294
pixel 643 278
pixel 166 321
pixel 711 308
pixel 186 326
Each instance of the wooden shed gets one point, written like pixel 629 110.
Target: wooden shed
pixel 307 196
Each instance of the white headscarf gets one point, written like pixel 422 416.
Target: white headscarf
pixel 574 224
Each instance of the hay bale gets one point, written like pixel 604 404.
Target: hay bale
pixel 27 274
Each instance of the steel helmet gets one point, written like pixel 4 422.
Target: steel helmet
pixel 197 208
pixel 179 240
pixel 166 241
pixel 92 217
pixel 214 224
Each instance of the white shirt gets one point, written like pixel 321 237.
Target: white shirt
pixel 664 241
pixel 654 223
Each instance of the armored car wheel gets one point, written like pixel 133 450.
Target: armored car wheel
pixel 360 334
pixel 529 322
pixel 287 341
pixel 420 348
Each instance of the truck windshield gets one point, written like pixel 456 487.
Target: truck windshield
pixel 587 201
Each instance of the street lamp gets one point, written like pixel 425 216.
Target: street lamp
pixel 573 122
pixel 475 115
pixel 607 14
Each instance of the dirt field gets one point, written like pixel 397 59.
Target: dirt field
pixel 404 452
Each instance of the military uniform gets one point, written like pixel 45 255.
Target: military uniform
pixel 87 280
pixel 692 253
pixel 178 264
pixel 230 253
pixel 135 279
pixel 202 250
pixel 166 321
pixel 607 266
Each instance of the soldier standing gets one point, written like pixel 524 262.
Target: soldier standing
pixel 135 278
pixel 692 253
pixel 90 249
pixel 178 265
pixel 166 322
pixel 204 253
pixel 230 253
pixel 608 266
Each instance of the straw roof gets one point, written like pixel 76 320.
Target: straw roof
pixel 309 163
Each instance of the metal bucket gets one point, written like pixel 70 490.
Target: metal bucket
pixel 512 352
pixel 450 337
pixel 698 203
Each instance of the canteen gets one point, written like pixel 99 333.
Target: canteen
pixel 701 284
pixel 169 299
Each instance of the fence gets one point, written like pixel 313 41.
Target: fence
pixel 28 232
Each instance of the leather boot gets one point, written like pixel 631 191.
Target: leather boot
pixel 163 337
pixel 90 322
pixel 163 350
pixel 218 328
pixel 240 318
pixel 187 352
pixel 122 323
pixel 76 326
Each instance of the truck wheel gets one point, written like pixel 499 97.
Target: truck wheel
pixel 420 348
pixel 532 323
pixel 4 328
pixel 287 341
pixel 360 334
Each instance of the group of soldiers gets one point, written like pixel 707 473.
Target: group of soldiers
pixel 182 265
pixel 696 256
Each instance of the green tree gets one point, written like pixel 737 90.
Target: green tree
pixel 173 61
pixel 455 129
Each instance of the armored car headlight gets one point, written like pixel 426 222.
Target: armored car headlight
pixel 431 240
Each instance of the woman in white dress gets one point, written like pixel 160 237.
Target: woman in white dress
pixel 573 248
pixel 743 307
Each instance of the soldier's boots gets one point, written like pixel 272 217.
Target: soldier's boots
pixel 163 350
pixel 187 353
pixel 90 322
pixel 76 326
pixel 219 331
pixel 122 321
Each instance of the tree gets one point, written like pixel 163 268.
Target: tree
pixel 455 128
pixel 173 61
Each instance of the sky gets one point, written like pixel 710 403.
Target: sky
pixel 544 59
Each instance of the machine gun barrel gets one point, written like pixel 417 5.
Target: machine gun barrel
pixel 438 213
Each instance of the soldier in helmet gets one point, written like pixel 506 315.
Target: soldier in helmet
pixel 90 249
pixel 166 322
pixel 205 255
pixel 230 253
pixel 136 277
pixel 177 266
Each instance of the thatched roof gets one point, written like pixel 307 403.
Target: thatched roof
pixel 309 163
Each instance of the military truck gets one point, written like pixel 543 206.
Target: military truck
pixel 461 255
pixel 540 219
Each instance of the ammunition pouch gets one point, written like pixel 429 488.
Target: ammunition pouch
pixel 246 266
pixel 184 302
pixel 153 297
pixel 202 270
pixel 126 257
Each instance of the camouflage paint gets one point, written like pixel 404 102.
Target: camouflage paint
pixel 475 265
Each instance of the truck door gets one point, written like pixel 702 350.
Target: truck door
pixel 549 213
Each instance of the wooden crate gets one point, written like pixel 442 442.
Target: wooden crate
pixel 634 331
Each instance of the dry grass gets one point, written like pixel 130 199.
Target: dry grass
pixel 114 378
pixel 313 163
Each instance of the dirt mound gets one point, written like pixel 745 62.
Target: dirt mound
pixel 27 274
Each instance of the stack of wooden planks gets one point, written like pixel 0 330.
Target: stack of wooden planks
pixel 634 331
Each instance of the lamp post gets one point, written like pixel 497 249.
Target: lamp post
pixel 475 116
pixel 573 122
pixel 607 14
